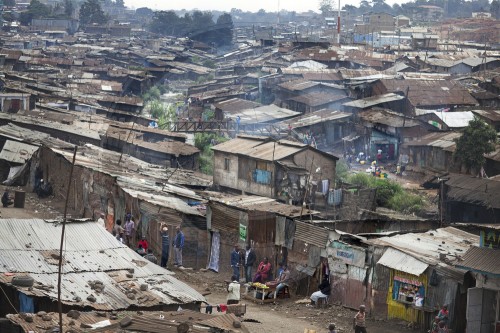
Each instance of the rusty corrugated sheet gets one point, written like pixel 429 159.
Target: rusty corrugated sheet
pixel 224 218
pixel 224 322
pixel 481 259
pixel 311 234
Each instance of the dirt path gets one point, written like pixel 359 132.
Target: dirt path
pixel 285 315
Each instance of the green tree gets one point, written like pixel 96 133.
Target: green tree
pixel 120 3
pixel 91 12
pixel 36 10
pixel 9 3
pixel 69 8
pixel 477 139
pixel 224 29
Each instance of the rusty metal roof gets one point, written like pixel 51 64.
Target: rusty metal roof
pixel 389 118
pixel 90 253
pixel 493 115
pixel 422 93
pixel 478 191
pixel 258 203
pixel 429 247
pixel 17 152
pixel 318 98
pixel 298 85
pixel 374 100
pixel 236 104
pixel 316 118
pixel 482 260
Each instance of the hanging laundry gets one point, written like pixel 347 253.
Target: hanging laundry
pixel 324 186
pixel 337 197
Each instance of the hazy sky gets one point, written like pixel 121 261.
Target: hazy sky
pixel 245 5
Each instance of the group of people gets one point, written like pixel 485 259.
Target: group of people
pixel 126 233
pixel 440 324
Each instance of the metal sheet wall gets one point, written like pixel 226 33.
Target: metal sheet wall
pixel 224 218
pixel 311 234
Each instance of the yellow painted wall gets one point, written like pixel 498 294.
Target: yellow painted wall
pixel 404 311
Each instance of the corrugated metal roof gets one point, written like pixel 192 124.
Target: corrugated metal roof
pixel 298 85
pixel 236 104
pixel 257 203
pixel 90 253
pixel 429 246
pixel 318 98
pixel 262 114
pixel 479 191
pixel 17 152
pixel 374 100
pixel 239 144
pixel 388 118
pixel 316 118
pixel 455 119
pixel 402 262
pixel 482 260
pixel 430 92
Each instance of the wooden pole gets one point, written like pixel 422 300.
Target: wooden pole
pixel 59 272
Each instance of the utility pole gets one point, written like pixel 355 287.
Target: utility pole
pixel 338 25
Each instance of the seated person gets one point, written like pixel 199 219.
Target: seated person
pixel 283 279
pixel 144 243
pixel 323 292
pixel 6 200
pixel 140 250
pixel 262 271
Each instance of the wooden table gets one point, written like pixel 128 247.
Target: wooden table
pixel 264 291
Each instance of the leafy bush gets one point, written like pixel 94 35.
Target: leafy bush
pixel 390 194
pixel 406 202
pixel 203 141
pixel 386 189
pixel 342 170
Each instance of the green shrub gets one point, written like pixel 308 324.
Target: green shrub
pixel 406 202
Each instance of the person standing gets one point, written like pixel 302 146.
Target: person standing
pixel 359 322
pixel 331 328
pixel 233 291
pixel 118 230
pixel 100 221
pixel 129 229
pixel 165 246
pixel 235 261
pixel 178 245
pixel 250 259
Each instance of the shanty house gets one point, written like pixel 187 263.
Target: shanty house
pixel 415 275
pixel 106 182
pixel 470 199
pixel 98 271
pixel 483 266
pixel 426 94
pixel 275 169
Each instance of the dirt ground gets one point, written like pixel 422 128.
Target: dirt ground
pixel 285 315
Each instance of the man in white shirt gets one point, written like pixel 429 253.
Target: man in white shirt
pixel 233 291
pixel 100 221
